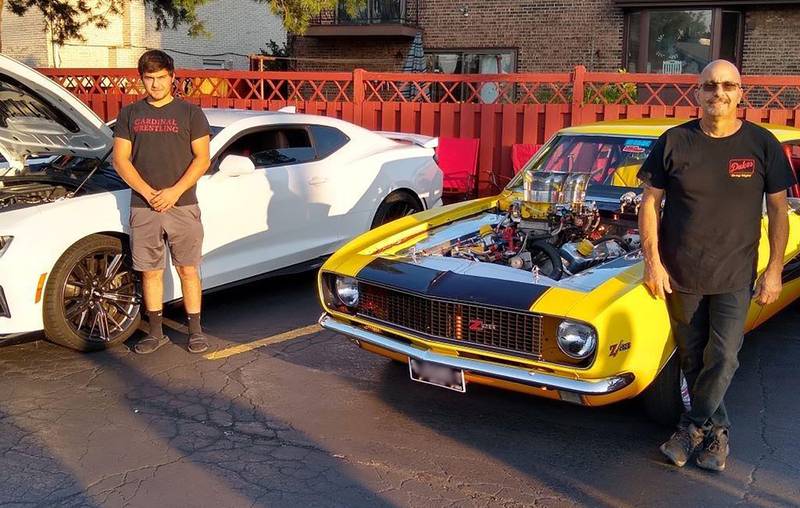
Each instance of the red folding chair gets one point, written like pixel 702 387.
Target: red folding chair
pixel 521 153
pixel 458 159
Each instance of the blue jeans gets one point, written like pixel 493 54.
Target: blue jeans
pixel 709 330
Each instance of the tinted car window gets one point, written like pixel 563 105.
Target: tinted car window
pixel 274 147
pixel 328 139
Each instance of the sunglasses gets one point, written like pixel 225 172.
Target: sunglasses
pixel 727 86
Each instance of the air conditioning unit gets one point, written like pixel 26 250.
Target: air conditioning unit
pixel 217 64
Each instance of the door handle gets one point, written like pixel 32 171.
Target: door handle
pixel 317 180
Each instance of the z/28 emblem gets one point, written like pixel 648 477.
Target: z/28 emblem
pixel 618 348
pixel 476 325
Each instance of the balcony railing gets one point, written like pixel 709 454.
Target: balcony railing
pixel 389 12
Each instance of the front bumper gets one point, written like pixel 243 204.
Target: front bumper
pixel 519 375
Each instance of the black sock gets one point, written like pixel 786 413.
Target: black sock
pixel 194 323
pixel 154 318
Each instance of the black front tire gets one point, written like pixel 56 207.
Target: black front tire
pixel 396 206
pixel 92 298
pixel 662 400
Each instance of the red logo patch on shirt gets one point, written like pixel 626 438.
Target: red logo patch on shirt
pixel 741 168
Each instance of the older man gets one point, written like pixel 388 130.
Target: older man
pixel 713 173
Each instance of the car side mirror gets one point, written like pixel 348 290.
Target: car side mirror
pixel 236 165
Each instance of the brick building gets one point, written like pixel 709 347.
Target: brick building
pixel 487 36
pixel 237 28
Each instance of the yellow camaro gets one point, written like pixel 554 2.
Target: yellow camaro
pixel 538 289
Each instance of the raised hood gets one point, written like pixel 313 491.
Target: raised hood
pixel 37 115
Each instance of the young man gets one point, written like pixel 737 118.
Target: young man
pixel 161 150
pixel 714 174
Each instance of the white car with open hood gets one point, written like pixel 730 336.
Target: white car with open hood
pixel 284 191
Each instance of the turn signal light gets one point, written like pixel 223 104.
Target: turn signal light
pixel 40 287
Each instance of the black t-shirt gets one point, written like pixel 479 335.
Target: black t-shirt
pixel 714 189
pixel 162 143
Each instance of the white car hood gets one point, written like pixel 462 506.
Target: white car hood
pixel 37 115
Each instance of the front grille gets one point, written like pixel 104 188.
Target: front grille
pixel 454 322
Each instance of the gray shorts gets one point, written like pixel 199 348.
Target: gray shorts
pixel 179 226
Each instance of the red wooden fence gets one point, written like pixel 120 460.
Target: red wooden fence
pixel 501 109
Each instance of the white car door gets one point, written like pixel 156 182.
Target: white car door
pixel 304 221
pixel 235 214
pixel 318 218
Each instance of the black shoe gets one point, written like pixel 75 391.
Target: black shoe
pixel 682 444
pixel 715 450
pixel 149 344
pixel 198 343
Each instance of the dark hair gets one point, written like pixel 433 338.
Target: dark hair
pixel 155 60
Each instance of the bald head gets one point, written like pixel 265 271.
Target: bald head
pixel 720 71
pixel 720 90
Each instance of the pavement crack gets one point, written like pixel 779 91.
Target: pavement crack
pixel 762 420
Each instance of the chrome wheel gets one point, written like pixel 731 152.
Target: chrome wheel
pixel 101 296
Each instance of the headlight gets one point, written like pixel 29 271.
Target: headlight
pixel 347 291
pixel 576 340
pixel 5 241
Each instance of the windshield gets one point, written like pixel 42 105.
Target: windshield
pixel 609 160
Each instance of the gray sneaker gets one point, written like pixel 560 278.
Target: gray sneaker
pixel 149 344
pixel 682 444
pixel 715 450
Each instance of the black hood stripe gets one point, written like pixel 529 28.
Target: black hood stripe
pixel 451 286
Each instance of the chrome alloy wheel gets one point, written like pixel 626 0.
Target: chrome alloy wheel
pixel 101 296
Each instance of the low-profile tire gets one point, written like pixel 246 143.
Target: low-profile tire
pixel 92 298
pixel 662 400
pixel 396 205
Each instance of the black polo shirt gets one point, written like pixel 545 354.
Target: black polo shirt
pixel 714 190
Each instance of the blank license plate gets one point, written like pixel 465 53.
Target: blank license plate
pixel 437 374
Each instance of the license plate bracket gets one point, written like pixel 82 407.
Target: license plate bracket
pixel 437 374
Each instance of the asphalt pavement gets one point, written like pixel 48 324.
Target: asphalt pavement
pixel 285 414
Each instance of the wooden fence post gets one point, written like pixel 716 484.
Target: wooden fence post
pixel 358 95
pixel 577 78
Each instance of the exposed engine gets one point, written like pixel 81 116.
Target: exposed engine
pixel 553 232
pixel 25 194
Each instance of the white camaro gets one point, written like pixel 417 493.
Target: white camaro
pixel 284 191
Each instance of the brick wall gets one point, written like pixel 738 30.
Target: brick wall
pixel 546 35
pixel 24 39
pixel 772 41
pixel 377 54
pixel 237 27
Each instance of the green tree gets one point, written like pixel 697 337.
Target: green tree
pixel 66 18
pixel 276 50
pixel 297 14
